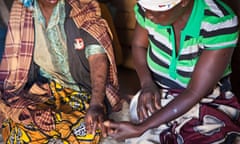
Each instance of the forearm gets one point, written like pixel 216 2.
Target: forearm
pixel 98 72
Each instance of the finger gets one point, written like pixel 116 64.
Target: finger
pixel 88 124
pixel 142 111
pixel 140 115
pixel 146 106
pixel 89 127
pixel 111 125
pixel 145 113
pixel 109 129
pixel 94 128
pixel 101 126
pixel 150 106
pixel 106 123
pixel 103 129
pixel 157 101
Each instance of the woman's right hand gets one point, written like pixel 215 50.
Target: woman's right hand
pixel 123 130
pixel 149 101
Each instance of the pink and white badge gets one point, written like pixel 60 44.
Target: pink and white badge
pixel 79 44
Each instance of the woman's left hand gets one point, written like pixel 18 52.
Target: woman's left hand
pixel 94 119
pixel 122 130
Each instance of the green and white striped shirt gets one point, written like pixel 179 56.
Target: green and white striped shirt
pixel 212 25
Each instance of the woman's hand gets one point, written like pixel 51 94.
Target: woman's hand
pixel 123 130
pixel 149 101
pixel 94 119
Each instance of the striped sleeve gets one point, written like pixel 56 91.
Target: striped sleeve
pixel 220 27
pixel 139 14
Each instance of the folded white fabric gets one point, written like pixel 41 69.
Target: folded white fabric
pixel 158 5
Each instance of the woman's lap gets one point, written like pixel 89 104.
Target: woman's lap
pixel 212 120
pixel 68 122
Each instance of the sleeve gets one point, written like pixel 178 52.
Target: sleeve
pixel 94 49
pixel 220 31
pixel 92 46
pixel 139 15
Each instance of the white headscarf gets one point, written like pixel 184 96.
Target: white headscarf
pixel 158 5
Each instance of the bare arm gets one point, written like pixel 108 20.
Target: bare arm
pixel 149 100
pixel 96 112
pixel 98 72
pixel 139 50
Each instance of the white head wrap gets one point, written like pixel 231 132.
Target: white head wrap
pixel 158 5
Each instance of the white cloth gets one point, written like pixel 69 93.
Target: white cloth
pixel 158 5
